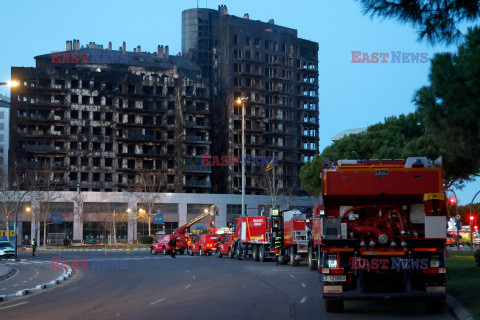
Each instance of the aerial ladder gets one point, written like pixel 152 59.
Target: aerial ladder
pixel 211 212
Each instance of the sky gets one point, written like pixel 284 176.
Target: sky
pixel 351 95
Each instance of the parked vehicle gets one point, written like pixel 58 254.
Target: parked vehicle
pixel 7 249
pixel 204 244
pixel 382 232
pixel 162 245
pixel 225 246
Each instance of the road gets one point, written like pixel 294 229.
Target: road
pixel 141 286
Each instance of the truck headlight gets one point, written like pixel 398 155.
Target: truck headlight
pixel 434 262
pixel 332 261
pixel 2 252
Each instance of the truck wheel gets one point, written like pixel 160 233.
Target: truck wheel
pixel 293 262
pixel 312 264
pixel 182 252
pixel 152 251
pixel 435 306
pixel 165 252
pixel 191 252
pixel 255 253
pixel 238 252
pixel 231 255
pixel 334 305
pixel 261 254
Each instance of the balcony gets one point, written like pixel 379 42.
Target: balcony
pixel 197 139
pixel 198 168
pixel 198 125
pixel 198 183
pixel 44 149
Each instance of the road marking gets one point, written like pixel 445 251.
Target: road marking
pixel 14 305
pixel 304 285
pixel 24 281
pixel 187 271
pixel 187 286
pixel 303 300
pixel 15 285
pixel 194 278
pixel 292 276
pixel 69 290
pixel 157 301
pixel 3 289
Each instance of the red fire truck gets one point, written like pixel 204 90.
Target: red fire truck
pixel 161 245
pixel 225 246
pixel 256 237
pixel 205 244
pixel 382 231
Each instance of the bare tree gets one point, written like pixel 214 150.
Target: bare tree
pixel 46 193
pixel 279 194
pixel 11 196
pixel 147 189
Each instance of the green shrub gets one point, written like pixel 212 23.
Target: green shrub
pixel 477 257
pixel 147 240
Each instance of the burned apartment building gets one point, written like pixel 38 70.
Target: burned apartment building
pixel 95 117
pixel 277 73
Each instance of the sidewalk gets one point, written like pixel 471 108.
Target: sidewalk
pixel 4 271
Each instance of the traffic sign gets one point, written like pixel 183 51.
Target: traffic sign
pixel 57 218
pixel 158 218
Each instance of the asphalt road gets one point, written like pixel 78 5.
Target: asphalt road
pixel 141 286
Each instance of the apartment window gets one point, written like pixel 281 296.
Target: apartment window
pixel 74 99
pixel 108 116
pixel 73 161
pixel 73 145
pixel 108 162
pixel 96 176
pixel 108 146
pixel 84 161
pixel 84 176
pixel 74 84
pixel 84 130
pixel 96 162
pixel 108 177
pixel 97 131
pixel 108 131
pixel 97 146
pixel 73 176
pixel 97 100
pixel 85 100
pixel 85 145
pixel 85 115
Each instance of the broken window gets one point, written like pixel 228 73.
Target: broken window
pixel 131 103
pixel 97 100
pixel 74 84
pixel 73 145
pixel 96 176
pixel 74 114
pixel 85 100
pixel 159 90
pixel 170 120
pixel 108 116
pixel 97 146
pixel 73 161
pixel 84 161
pixel 84 130
pixel 96 115
pixel 85 145
pixel 108 131
pixel 85 115
pixel 108 162
pixel 131 89
pixel 108 146
pixel 74 98
pixel 108 177
pixel 84 176
pixel 96 162
pixel 171 90
pixel 73 176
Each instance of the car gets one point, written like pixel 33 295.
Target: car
pixel 476 241
pixel 204 244
pixel 161 245
pixel 7 249
pixel 225 246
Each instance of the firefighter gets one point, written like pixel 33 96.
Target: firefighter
pixel 173 245
pixel 34 247
pixel 278 247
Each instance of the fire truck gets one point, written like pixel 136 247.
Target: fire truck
pixel 161 245
pixel 381 231
pixel 255 237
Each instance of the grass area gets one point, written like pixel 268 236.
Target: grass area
pixel 463 280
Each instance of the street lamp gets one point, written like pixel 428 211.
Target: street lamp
pixel 241 101
pixel 11 83
pixel 454 201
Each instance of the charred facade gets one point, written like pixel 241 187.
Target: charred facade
pixel 98 116
pixel 278 74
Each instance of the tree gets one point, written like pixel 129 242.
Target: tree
pixel 310 176
pixel 435 20
pixel 280 194
pixel 396 138
pixel 450 109
pixel 147 190
pixel 45 196
pixel 11 196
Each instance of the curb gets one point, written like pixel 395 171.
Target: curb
pixel 8 275
pixel 457 309
pixel 67 273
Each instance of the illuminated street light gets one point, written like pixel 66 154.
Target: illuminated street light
pixel 11 83
pixel 241 101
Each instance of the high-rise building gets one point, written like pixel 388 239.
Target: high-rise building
pixel 277 72
pixel 4 134
pixel 96 117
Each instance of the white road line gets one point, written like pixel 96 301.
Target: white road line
pixel 292 276
pixel 3 289
pixel 303 300
pixel 15 285
pixel 194 278
pixel 187 286
pixel 69 290
pixel 157 301
pixel 187 270
pixel 304 285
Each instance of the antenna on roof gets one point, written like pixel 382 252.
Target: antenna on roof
pixel 197 4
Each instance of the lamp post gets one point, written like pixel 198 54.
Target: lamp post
pixel 241 101
pixel 471 214
pixel 12 83
pixel 456 214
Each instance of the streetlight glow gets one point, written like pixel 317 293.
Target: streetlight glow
pixel 12 83
pixel 28 209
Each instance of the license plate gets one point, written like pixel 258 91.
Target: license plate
pixel 330 277
pixel 332 289
pixel 435 289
